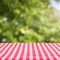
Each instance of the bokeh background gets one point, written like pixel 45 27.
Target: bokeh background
pixel 29 20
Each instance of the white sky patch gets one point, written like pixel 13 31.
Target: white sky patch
pixel 21 15
pixel 5 19
pixel 55 4
pixel 3 40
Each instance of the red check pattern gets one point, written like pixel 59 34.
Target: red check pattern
pixel 29 51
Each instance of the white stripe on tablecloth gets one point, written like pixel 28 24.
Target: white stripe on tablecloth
pixel 25 51
pixel 20 51
pixel 54 48
pixel 52 51
pixel 36 52
pixel 58 44
pixel 5 49
pixel 3 46
pixel 31 53
pixel 9 51
pixel 42 52
pixel 15 49
pixel 48 53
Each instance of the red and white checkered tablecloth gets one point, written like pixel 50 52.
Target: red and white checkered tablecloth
pixel 29 51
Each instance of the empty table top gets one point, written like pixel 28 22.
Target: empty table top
pixel 29 51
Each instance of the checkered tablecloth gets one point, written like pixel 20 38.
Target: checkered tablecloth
pixel 29 51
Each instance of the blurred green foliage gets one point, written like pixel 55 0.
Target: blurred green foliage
pixel 27 21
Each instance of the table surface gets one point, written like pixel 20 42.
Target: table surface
pixel 29 51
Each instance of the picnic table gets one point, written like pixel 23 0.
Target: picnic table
pixel 29 51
